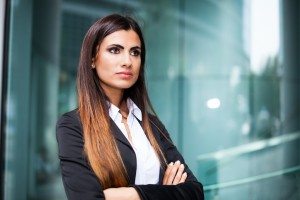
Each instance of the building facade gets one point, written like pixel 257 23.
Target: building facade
pixel 223 76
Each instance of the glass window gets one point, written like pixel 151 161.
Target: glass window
pixel 223 76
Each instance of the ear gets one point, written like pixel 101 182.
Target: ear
pixel 93 63
pixel 93 59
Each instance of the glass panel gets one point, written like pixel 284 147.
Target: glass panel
pixel 223 76
pixel 238 108
pixel 31 163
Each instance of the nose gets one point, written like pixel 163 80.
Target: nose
pixel 127 62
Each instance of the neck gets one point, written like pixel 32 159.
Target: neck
pixel 115 99
pixel 114 95
pixel 124 109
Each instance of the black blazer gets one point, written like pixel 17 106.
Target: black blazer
pixel 81 183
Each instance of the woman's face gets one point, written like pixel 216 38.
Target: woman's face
pixel 118 60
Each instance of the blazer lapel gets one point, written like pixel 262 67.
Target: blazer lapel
pixel 126 151
pixel 158 139
pixel 128 157
pixel 118 134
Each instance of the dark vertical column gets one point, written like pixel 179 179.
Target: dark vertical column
pixel 181 79
pixel 290 97
pixel 4 27
pixel 290 88
pixel 16 103
pixel 44 92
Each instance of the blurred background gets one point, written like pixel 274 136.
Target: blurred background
pixel 223 76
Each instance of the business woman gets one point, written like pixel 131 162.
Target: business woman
pixel 113 146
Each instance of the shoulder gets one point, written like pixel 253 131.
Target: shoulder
pixel 69 123
pixel 158 128
pixel 71 117
pixel 154 120
pixel 69 134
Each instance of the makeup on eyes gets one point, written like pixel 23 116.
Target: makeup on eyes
pixel 135 51
pixel 116 48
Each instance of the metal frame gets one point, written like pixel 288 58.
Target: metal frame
pixel 4 27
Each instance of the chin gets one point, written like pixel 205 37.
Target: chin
pixel 122 86
pixel 126 86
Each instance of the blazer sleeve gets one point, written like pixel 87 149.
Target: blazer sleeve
pixel 78 179
pixel 191 189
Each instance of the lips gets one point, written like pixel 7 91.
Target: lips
pixel 125 75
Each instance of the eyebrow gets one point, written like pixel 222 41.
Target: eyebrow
pixel 121 47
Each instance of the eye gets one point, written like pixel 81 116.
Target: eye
pixel 114 50
pixel 135 52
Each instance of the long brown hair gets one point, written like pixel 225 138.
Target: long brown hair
pixel 99 144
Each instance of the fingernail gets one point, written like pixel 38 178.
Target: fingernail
pixel 177 162
pixel 171 163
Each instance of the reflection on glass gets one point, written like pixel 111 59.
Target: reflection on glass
pixel 264 32
pixel 222 75
pixel 213 103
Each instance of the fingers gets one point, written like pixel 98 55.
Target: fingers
pixel 166 176
pixel 183 177
pixel 174 174
pixel 178 174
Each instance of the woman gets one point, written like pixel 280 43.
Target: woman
pixel 111 147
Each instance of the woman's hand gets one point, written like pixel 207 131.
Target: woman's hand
pixel 121 193
pixel 174 174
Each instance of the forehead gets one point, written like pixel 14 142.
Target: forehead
pixel 122 37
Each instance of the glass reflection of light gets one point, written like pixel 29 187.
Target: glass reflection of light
pixel 264 32
pixel 246 128
pixel 235 76
pixel 213 103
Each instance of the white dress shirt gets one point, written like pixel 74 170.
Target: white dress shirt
pixel 147 170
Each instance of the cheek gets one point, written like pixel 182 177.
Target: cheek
pixel 105 66
pixel 102 72
pixel 138 66
pixel 105 61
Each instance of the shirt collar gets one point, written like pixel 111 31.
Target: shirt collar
pixel 132 107
pixel 113 111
